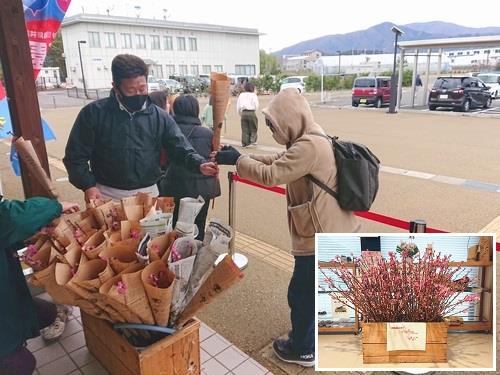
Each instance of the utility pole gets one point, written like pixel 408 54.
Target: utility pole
pixel 20 85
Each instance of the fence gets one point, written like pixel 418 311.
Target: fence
pixel 411 226
pixel 76 92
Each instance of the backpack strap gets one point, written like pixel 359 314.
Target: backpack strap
pixel 314 179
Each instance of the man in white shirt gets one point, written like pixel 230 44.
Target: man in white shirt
pixel 246 106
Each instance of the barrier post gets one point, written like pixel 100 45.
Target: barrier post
pixel 239 259
pixel 418 226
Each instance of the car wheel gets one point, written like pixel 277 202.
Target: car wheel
pixel 488 103
pixel 378 103
pixel 432 108
pixel 354 104
pixel 466 106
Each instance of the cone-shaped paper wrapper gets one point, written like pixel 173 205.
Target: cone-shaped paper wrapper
pixel 102 213
pixel 95 244
pixel 158 247
pixel 87 276
pixel 73 254
pixel 47 280
pixel 119 258
pixel 219 91
pixel 135 296
pixel 225 274
pixel 41 259
pixel 159 296
pixel 130 229
pixel 113 302
pixel 30 160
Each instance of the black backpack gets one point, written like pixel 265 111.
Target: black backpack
pixel 357 175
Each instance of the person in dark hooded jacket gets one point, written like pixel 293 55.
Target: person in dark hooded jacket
pixel 180 182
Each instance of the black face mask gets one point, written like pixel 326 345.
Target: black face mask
pixel 134 102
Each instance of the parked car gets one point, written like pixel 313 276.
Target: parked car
pixel 153 84
pixel 297 82
pixel 371 90
pixel 205 79
pixel 190 82
pixel 492 80
pixel 462 93
pixel 171 84
pixel 237 84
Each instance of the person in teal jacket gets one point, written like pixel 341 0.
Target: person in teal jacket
pixel 21 316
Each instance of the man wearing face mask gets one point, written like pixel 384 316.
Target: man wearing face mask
pixel 310 209
pixel 113 150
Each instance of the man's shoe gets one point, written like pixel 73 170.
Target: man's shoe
pixel 283 350
pixel 56 329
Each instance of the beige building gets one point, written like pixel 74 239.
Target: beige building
pixel 168 47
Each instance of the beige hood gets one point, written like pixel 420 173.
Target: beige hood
pixel 290 115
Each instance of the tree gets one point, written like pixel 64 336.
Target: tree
pixel 268 63
pixel 55 56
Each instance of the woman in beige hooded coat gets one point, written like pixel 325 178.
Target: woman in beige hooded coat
pixel 310 209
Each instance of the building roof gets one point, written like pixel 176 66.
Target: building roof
pixel 138 21
pixel 473 41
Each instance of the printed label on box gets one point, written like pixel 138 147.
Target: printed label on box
pixel 406 336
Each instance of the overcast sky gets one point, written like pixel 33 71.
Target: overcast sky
pixel 284 25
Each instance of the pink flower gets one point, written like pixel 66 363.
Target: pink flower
pixel 88 248
pixel 121 288
pixel 156 248
pixel 77 233
pixel 31 250
pixel 134 233
pixel 471 298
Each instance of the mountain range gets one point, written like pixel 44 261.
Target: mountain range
pixel 380 38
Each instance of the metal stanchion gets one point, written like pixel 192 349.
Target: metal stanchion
pixel 239 259
pixel 418 226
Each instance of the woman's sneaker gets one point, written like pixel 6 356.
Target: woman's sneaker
pixel 283 350
pixel 56 329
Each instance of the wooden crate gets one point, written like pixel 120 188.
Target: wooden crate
pixel 178 354
pixel 374 336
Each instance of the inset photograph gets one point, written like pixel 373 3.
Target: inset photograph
pixel 411 301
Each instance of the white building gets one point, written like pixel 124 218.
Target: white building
pixel 168 47
pixel 374 63
pixel 477 57
pixel 48 78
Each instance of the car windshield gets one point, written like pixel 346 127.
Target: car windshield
pixel 488 78
pixel 364 82
pixel 448 83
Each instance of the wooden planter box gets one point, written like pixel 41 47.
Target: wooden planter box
pixel 178 354
pixel 374 337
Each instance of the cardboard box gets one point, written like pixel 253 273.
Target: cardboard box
pixel 178 354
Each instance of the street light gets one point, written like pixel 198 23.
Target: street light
pixel 392 105
pixel 81 66
pixel 340 53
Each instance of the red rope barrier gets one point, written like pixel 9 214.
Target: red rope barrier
pixel 373 216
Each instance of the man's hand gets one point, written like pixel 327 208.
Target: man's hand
pixel 92 193
pixel 228 155
pixel 209 169
pixel 69 207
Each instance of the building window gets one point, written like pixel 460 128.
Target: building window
pixel 156 71
pixel 218 68
pixel 194 70
pixel 193 45
pixel 247 70
pixel 206 69
pixel 94 39
pixel 487 51
pixel 181 43
pixel 497 51
pixel 155 42
pixel 167 43
pixel 170 70
pixel 476 52
pixel 141 41
pixel 126 41
pixel 460 53
pixel 110 40
pixel 451 54
pixel 183 70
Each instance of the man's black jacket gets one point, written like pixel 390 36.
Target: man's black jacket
pixel 124 149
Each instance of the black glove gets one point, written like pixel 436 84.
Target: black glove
pixel 228 155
